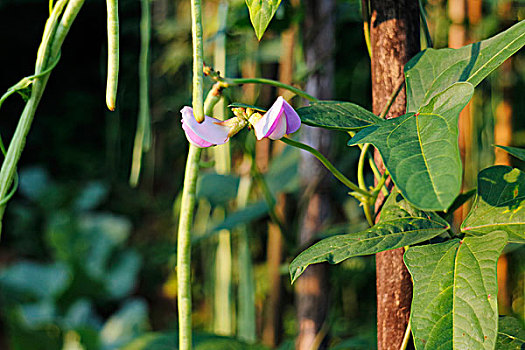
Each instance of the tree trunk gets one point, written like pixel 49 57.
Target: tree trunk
pixel 311 289
pixel 394 35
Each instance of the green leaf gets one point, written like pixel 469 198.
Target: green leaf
pixel 29 280
pixel 515 151
pixel 454 304
pixel 242 216
pixel 200 341
pixel 432 71
pixel 125 325
pixel 282 175
pixel 216 188
pixel 261 13
pixel 511 334
pixel 499 204
pixel 400 225
pixel 421 150
pixel 335 115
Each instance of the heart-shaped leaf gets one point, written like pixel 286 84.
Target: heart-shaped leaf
pixel 454 304
pixel 499 204
pixel 511 334
pixel 400 225
pixel 420 150
pixel 345 116
pixel 516 152
pixel 261 13
pixel 432 71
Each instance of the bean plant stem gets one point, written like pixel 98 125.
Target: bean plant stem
pixel 406 337
pixel 240 81
pixel 428 37
pixel 184 247
pixel 54 34
pixel 188 190
pixel 366 25
pixel 361 166
pixel 328 165
pixel 392 98
pixel 196 30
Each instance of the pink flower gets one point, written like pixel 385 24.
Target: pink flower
pixel 208 133
pixel 281 119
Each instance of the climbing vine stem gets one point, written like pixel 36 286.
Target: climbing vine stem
pixel 57 26
pixel 190 183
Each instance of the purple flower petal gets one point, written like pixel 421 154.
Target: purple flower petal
pixel 194 138
pixel 279 130
pixel 281 119
pixel 267 124
pixel 205 134
pixel 293 122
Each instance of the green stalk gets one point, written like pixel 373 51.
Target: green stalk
pixel 344 180
pixel 184 247
pixel 198 61
pixel 365 13
pixel 428 37
pixel 55 32
pixel 392 98
pixel 361 166
pixel 406 337
pixel 240 81
pixel 188 191
pixel 143 134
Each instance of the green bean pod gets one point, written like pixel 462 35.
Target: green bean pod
pixel 113 53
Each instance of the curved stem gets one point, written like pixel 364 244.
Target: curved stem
pixel 392 98
pixel 406 337
pixel 328 165
pixel 361 166
pixel 367 208
pixel 55 31
pixel 240 81
pixel 365 13
pixel 428 37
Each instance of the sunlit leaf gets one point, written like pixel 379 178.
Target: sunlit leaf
pixel 432 71
pixel 499 204
pixel 400 225
pixel 515 151
pixel 454 303
pixel 511 334
pixel 335 115
pixel 261 13
pixel 420 150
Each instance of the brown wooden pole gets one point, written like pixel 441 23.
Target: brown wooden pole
pixel 394 35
